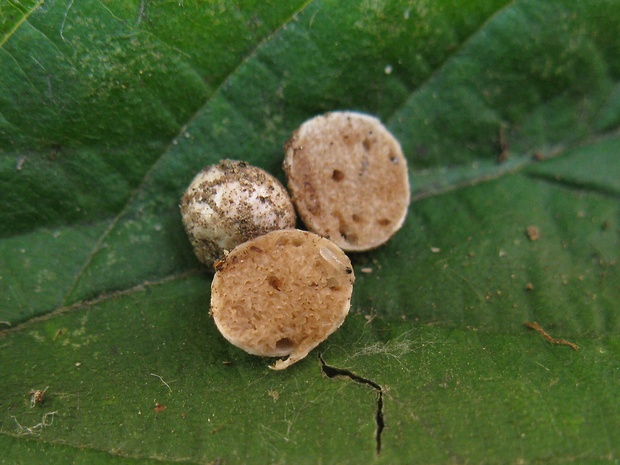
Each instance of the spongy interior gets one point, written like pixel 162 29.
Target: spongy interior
pixel 349 179
pixel 278 293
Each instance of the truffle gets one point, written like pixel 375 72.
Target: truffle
pixel 348 179
pixel 229 203
pixel 281 294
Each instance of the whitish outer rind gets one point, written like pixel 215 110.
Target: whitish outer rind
pixel 282 294
pixel 229 203
pixel 348 179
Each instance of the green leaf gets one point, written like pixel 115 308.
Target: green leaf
pixel 509 115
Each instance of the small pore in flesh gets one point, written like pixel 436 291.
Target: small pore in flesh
pixel 285 344
pixel 275 282
pixel 337 175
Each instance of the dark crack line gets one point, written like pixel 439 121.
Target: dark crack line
pixel 333 372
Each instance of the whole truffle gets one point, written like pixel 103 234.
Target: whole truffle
pixel 348 178
pixel 229 203
pixel 282 294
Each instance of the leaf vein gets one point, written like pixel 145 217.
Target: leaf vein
pixel 134 194
pixel 19 23
pixel 457 50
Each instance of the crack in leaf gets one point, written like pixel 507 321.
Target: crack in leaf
pixel 334 372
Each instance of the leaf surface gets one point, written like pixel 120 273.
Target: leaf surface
pixel 508 113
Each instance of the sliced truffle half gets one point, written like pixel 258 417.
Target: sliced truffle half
pixel 281 294
pixel 348 179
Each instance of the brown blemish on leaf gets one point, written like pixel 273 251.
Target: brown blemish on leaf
pixel 37 397
pixel 536 327
pixel 533 233
pixel 159 407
